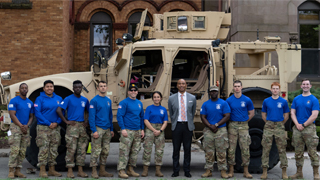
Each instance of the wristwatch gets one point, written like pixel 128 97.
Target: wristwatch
pixel 216 124
pixel 160 130
pixel 303 125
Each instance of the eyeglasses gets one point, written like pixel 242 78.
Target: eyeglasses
pixel 133 90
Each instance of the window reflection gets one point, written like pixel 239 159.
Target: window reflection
pixel 101 35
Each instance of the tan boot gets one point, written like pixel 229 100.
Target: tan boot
pixel 298 175
pixel 17 173
pixel 224 174
pixel 94 173
pixel 103 172
pixel 231 171
pixel 70 173
pixel 158 171
pixel 122 174
pixel 246 173
pixel 53 172
pixel 11 173
pixel 316 173
pixel 264 174
pixel 208 173
pixel 131 172
pixel 42 172
pixel 145 171
pixel 284 173
pixel 81 173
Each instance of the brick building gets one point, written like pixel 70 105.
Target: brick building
pixel 43 37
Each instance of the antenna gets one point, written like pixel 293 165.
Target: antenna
pixel 257 34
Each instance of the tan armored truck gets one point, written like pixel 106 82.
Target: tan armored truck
pixel 181 45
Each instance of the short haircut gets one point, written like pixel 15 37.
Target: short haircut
pixel 46 82
pixel 77 82
pixel 237 81
pixel 23 84
pixel 103 82
pixel 275 84
pixel 305 79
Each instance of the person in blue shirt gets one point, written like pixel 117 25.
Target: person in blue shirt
pixel 21 113
pixel 304 111
pixel 76 136
pixel 156 120
pixel 48 130
pixel 214 114
pixel 100 120
pixel 242 111
pixel 130 118
pixel 275 113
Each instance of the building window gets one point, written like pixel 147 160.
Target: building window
pixel 100 37
pixel 309 21
pixel 134 19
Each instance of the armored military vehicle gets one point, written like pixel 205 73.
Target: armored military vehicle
pixel 181 45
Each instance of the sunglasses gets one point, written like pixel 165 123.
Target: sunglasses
pixel 133 90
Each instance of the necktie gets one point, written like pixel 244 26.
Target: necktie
pixel 183 109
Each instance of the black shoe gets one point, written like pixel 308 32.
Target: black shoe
pixel 175 174
pixel 187 174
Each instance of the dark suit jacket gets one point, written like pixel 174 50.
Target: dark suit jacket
pixel 173 105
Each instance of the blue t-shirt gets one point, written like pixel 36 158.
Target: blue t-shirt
pixel 275 108
pixel 100 113
pixel 130 114
pixel 304 105
pixel 23 108
pixel 240 107
pixel 156 114
pixel 214 110
pixel 45 109
pixel 75 107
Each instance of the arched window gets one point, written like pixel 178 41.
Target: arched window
pixel 309 21
pixel 134 19
pixel 100 37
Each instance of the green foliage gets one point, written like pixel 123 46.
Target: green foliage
pixel 3 107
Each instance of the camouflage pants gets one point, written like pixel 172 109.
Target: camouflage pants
pixel 48 141
pixel 100 147
pixel 308 137
pixel 149 140
pixel 76 140
pixel 18 144
pixel 129 148
pixel 215 142
pixel 239 131
pixel 277 130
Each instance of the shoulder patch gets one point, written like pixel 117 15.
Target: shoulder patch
pixel 10 105
pixel 119 107
pixel 35 105
pixel 91 106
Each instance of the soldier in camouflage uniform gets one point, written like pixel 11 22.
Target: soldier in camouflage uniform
pixel 48 130
pixel 21 112
pixel 156 120
pixel 130 119
pixel 76 136
pixel 100 119
pixel 214 114
pixel 275 113
pixel 304 111
pixel 242 111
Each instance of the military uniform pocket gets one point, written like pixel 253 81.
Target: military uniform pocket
pixel 11 140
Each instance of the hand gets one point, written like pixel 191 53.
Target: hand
pixel 156 133
pixel 124 133
pixel 299 127
pixel 142 134
pixel 24 129
pixel 213 128
pixel 72 123
pixel 112 133
pixel 52 126
pixel 95 135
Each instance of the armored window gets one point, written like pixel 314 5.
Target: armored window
pixel 172 23
pixel 134 19
pixel 198 22
pixel 182 23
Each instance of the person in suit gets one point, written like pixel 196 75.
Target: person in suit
pixel 182 108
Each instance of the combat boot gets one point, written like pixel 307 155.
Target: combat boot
pixel 284 173
pixel 103 172
pixel 81 173
pixel 264 173
pixel 145 171
pixel 158 171
pixel 70 173
pixel 224 174
pixel 316 173
pixel 299 174
pixel 122 174
pixel 11 173
pixel 208 173
pixel 53 172
pixel 131 172
pixel 231 171
pixel 94 173
pixel 17 173
pixel 42 172
pixel 246 173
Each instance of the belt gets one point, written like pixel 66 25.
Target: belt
pixel 240 122
pixel 182 122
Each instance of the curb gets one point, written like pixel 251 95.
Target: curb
pixel 3 154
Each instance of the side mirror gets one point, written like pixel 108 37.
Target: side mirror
pixel 6 75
